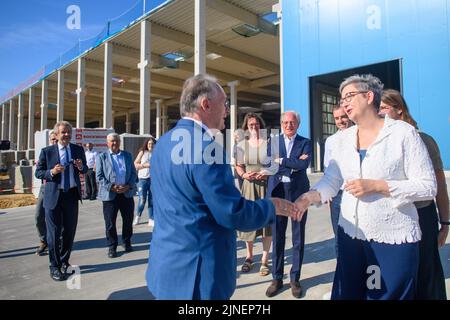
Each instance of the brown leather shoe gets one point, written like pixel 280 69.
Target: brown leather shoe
pixel 296 289
pixel 274 288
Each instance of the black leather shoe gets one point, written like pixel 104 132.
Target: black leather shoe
pixel 57 275
pixel 296 289
pixel 112 252
pixel 274 288
pixel 127 247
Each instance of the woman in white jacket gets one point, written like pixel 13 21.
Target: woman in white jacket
pixel 384 167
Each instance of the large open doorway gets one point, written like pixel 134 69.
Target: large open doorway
pixel 324 94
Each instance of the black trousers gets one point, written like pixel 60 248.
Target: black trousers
pixel 91 184
pixel 39 216
pixel 279 240
pixel 430 279
pixel 62 222
pixel 110 210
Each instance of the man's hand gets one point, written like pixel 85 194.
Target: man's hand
pixel 304 156
pixel 79 164
pixel 285 208
pixel 57 169
pixel 120 188
pixel 124 188
pixel 278 160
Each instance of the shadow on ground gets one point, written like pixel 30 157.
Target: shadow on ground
pixel 140 293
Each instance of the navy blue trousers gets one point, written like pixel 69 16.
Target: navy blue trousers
pixel 279 240
pixel 62 222
pixel 358 265
pixel 335 208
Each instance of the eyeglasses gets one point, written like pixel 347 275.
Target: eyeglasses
pixel 349 97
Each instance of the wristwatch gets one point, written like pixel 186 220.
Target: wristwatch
pixel 445 223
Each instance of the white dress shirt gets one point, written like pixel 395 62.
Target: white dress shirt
pixel 329 149
pixel 398 156
pixel 68 163
pixel 288 143
pixel 90 158
pixel 119 167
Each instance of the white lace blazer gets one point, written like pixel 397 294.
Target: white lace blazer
pixel 397 156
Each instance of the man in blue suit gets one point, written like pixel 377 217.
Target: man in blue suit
pixel 289 183
pixel 197 208
pixel 117 177
pixel 60 165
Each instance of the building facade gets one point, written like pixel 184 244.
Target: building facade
pixel 406 43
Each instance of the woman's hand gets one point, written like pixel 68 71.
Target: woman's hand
pixel 250 176
pixel 362 187
pixel 442 236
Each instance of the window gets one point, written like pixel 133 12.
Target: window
pixel 328 101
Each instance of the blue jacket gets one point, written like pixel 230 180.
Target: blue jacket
pixel 106 176
pixel 197 210
pixel 48 159
pixel 292 167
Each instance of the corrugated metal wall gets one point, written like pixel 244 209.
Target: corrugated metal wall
pixel 323 36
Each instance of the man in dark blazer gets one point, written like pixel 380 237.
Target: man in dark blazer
pixel 289 183
pixel 60 165
pixel 117 177
pixel 197 208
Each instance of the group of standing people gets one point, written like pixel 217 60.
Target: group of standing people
pixel 381 179
pixel 383 170
pixel 377 170
pixel 59 167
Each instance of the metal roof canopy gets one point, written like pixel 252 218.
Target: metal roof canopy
pixel 254 61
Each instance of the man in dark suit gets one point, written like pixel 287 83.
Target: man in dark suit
pixel 117 177
pixel 197 208
pixel 60 165
pixel 289 183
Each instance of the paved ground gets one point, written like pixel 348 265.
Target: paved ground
pixel 23 275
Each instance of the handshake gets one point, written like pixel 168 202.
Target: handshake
pixel 298 208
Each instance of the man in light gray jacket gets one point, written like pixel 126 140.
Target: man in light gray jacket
pixel 117 177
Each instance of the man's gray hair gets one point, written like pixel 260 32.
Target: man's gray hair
pixel 296 114
pixel 113 136
pixel 365 82
pixel 61 124
pixel 195 88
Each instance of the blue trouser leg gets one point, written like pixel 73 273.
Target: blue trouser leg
pixel 278 240
pixel 149 200
pixel 398 265
pixel 335 208
pixel 350 276
pixel 62 220
pixel 143 190
pixel 298 246
pixel 372 270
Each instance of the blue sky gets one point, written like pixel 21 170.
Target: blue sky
pixel 34 32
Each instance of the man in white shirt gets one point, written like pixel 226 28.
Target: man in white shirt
pixel 342 122
pixel 90 182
